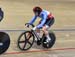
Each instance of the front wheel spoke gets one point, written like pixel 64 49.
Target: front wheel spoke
pixel 21 41
pixel 29 43
pixel 29 37
pixel 25 36
pixel 25 44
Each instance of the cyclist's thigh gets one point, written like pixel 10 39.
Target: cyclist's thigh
pixel 50 22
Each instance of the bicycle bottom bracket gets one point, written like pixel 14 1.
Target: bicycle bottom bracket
pixel 4 42
pixel 39 41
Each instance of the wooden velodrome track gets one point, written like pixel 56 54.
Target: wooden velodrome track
pixel 19 12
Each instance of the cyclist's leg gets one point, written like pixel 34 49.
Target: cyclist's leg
pixel 38 34
pixel 38 30
pixel 46 32
pixel 39 38
pixel 48 24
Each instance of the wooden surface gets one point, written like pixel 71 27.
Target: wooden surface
pixel 19 12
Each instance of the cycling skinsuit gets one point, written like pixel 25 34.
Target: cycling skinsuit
pixel 46 19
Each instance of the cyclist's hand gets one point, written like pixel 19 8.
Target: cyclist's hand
pixel 27 25
pixel 34 28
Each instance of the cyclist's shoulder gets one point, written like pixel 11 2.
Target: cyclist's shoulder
pixel 45 12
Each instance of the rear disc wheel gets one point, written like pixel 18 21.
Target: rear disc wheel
pixel 51 42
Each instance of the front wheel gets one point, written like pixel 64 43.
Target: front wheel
pixel 26 40
pixel 51 42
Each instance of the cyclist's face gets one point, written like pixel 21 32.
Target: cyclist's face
pixel 36 13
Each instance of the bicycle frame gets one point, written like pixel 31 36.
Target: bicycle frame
pixel 35 34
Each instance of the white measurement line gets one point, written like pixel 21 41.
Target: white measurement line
pixel 58 29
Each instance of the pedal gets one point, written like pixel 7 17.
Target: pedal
pixel 39 41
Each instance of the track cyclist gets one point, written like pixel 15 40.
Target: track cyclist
pixel 47 20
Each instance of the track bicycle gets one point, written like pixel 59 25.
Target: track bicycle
pixel 27 38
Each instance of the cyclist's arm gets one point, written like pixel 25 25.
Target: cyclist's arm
pixel 44 16
pixel 33 20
